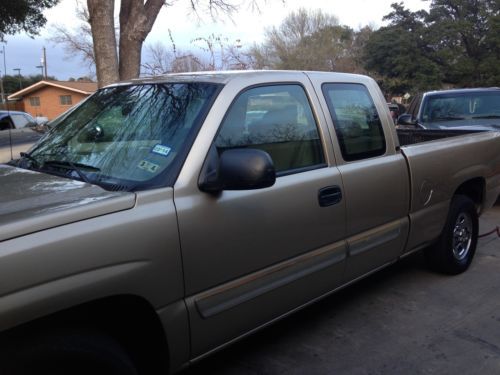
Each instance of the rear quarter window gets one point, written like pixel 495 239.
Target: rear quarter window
pixel 356 120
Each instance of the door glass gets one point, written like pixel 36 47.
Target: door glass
pixel 277 119
pixel 20 120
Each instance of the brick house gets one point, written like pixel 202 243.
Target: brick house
pixel 51 98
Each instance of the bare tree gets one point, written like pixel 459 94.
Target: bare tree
pixel 222 53
pixel 163 59
pixel 76 41
pixel 308 40
pixel 216 52
pixel 136 18
pixel 102 23
pixel 160 59
pixel 136 21
pixel 116 51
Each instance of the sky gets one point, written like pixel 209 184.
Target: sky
pixel 247 25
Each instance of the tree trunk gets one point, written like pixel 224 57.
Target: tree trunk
pixel 101 19
pixel 136 21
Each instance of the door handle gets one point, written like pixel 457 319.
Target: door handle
pixel 330 195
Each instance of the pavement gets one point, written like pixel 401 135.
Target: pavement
pixel 405 319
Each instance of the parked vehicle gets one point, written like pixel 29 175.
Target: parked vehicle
pixel 18 120
pixel 24 130
pixel 394 111
pixel 156 223
pixel 466 109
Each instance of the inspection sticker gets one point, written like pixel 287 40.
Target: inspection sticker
pixel 148 166
pixel 161 150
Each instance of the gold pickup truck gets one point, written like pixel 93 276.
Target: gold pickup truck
pixel 166 218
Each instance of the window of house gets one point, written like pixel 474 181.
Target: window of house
pixel 65 100
pixel 34 101
pixel 356 121
pixel 277 119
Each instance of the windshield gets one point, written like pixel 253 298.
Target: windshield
pixel 125 137
pixel 461 106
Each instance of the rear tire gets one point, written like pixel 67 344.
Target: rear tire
pixel 76 353
pixel 456 246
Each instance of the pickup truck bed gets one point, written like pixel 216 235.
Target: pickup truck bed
pixel 412 136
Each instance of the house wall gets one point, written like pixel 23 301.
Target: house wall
pixel 50 103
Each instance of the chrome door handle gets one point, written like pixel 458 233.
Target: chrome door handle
pixel 330 195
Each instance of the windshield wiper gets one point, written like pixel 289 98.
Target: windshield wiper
pixel 487 116
pixel 74 166
pixel 448 118
pixel 27 155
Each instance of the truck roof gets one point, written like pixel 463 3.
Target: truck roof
pixel 223 77
pixel 463 91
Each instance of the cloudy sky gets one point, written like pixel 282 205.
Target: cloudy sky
pixel 247 25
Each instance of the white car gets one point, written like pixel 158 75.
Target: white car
pixel 18 120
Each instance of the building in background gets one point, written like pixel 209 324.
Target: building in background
pixel 51 98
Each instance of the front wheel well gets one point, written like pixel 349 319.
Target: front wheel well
pixel 130 320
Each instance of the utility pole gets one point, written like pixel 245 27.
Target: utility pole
pixel 18 70
pixel 2 93
pixel 4 72
pixel 45 61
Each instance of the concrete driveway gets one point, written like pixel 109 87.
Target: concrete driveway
pixel 403 320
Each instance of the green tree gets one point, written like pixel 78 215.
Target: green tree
pixel 456 43
pixel 13 83
pixel 400 55
pixel 23 15
pixel 465 35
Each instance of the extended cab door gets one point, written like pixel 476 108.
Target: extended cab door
pixel 250 256
pixel 374 172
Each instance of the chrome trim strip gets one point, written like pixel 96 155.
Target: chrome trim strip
pixel 242 290
pixel 288 313
pixel 368 240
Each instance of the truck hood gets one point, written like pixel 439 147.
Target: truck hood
pixel 32 201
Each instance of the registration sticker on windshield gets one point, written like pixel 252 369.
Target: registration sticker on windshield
pixel 148 166
pixel 161 150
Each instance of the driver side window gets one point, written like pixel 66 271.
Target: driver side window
pixel 277 119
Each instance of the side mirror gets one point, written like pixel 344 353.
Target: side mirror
pixel 406 120
pixel 40 120
pixel 237 169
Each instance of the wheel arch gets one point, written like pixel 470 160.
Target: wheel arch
pixel 474 189
pixel 130 319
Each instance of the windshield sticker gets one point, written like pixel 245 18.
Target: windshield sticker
pixel 148 166
pixel 161 150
